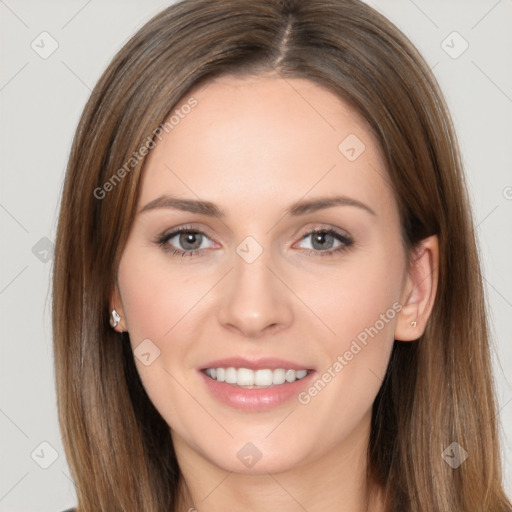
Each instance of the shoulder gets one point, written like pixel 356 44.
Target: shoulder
pixel 70 510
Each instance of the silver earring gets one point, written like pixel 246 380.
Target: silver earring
pixel 413 323
pixel 114 320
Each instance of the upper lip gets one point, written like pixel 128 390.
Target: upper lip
pixel 270 363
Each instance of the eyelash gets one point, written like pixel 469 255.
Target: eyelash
pixel 346 242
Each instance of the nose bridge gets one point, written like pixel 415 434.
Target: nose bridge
pixel 254 298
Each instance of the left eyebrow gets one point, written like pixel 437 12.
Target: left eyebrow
pixel 313 205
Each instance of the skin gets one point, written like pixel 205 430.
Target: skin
pixel 254 146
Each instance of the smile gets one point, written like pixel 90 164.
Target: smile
pixel 255 379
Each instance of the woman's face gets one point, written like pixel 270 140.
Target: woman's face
pixel 290 262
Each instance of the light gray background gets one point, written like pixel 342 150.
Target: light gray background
pixel 40 103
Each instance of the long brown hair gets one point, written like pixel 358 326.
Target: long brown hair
pixel 437 391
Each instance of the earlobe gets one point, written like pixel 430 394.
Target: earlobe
pixel 419 290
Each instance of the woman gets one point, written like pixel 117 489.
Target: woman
pixel 271 296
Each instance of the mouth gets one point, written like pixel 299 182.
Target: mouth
pixel 255 379
pixel 255 385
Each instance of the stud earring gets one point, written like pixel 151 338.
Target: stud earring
pixel 414 323
pixel 114 320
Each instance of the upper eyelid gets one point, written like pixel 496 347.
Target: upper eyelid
pixel 169 233
pixel 176 231
pixel 343 238
pixel 317 227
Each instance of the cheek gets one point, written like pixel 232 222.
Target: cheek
pixel 156 303
pixel 358 294
pixel 155 300
pixel 360 304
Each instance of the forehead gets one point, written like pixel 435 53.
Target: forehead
pixel 258 139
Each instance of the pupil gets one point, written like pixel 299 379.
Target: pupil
pixel 190 240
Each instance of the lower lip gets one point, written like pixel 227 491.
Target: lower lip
pixel 256 400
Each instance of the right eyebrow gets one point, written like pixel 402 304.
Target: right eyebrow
pixel 186 205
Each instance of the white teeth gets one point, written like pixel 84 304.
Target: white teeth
pixel 263 377
pixel 244 377
pixel 255 378
pixel 231 375
pixel 290 375
pixel 212 372
pixel 278 376
pixel 221 374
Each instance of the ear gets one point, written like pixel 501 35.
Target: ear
pixel 116 303
pixel 419 290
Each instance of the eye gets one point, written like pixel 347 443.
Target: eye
pixel 185 242
pixel 325 242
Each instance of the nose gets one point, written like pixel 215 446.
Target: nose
pixel 254 300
